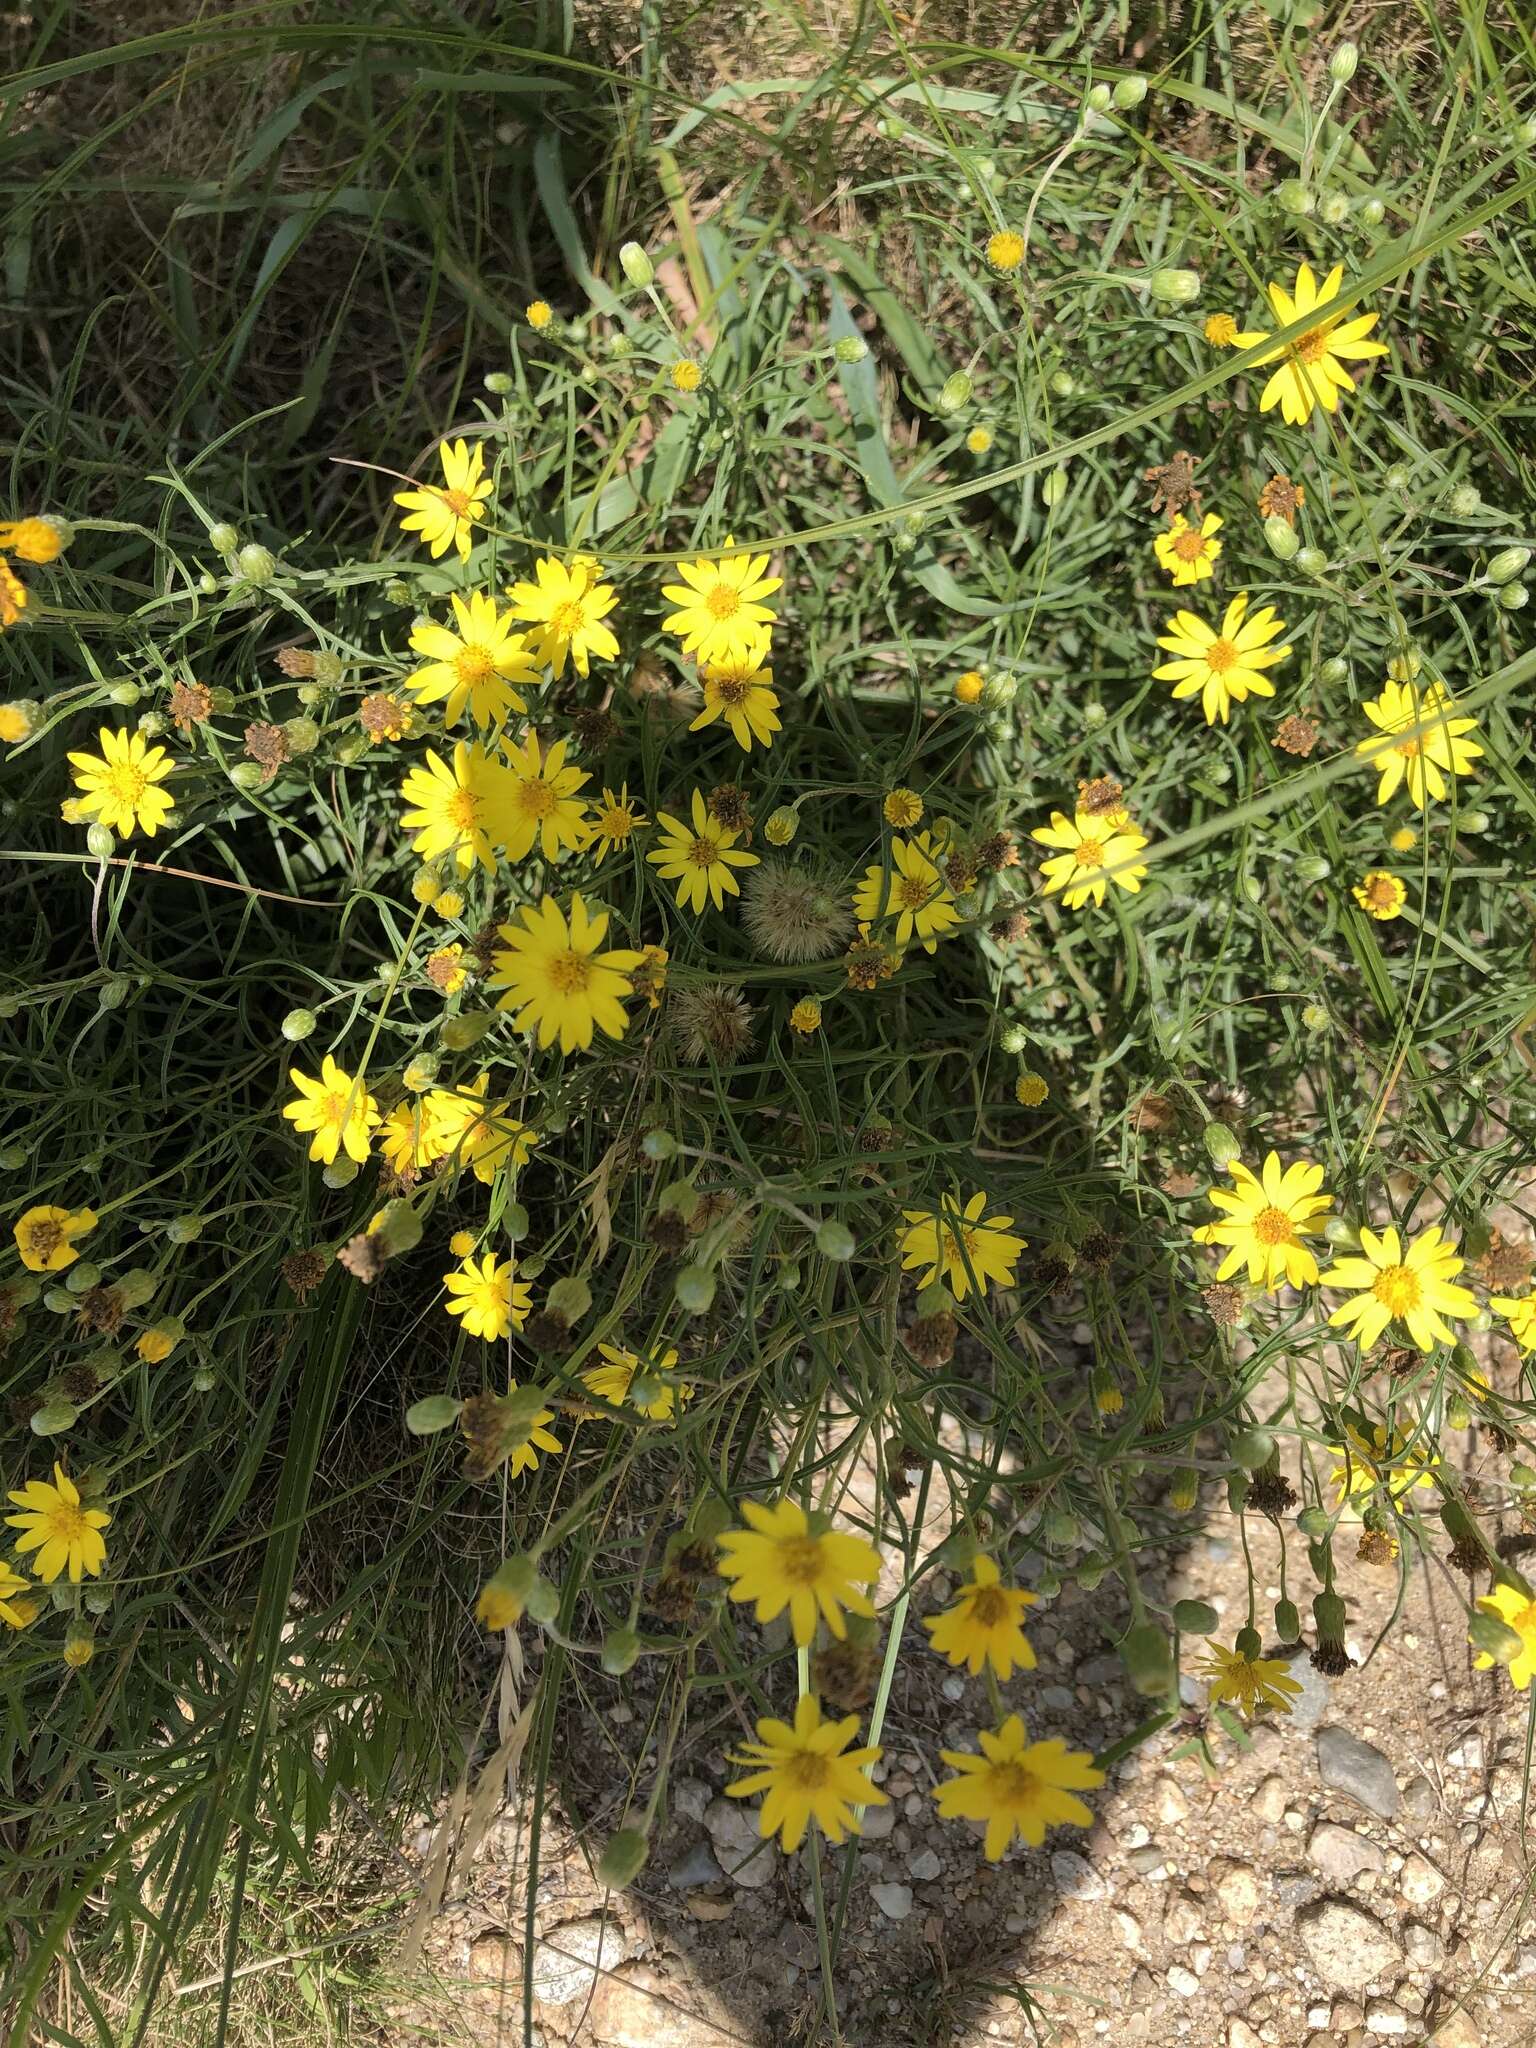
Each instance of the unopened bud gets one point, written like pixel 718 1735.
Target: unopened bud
pixel 1287 1621
pixel 256 564
pixel 695 1289
pixel 1221 1145
pixel 1195 1617
pixel 1098 99
pixel 835 1241
pixel 100 841
pixel 223 538
pixel 1293 196
pixel 459 1033
pixel 1341 65
pixel 1281 539
pixel 1148 1659
pixel 1130 92
pixel 1175 287
pixel 850 348
pixel 621 1651
pixel 637 266
pixel 956 393
pixel 1507 564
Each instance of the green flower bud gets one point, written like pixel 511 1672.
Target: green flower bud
pixel 302 735
pixel 1333 208
pixel 1397 477
pixel 341 1172
pixel 569 1299
pixel 1175 287
pixel 83 1276
pixel 1148 1659
pixel 999 691
pixel 1098 99
pixel 1054 489
pixel 126 694
pixel 1330 1617
pixel 1522 1476
pixel 621 1651
pixel 298 1025
pixel 543 1602
pixel 1062 383
pixel 956 393
pixel 1280 538
pixel 623 1859
pixel 1507 564
pixel 1287 1621
pixel 100 841
pixel 1473 821
pixel 247 775
pixel 207 583
pixel 1372 213
pixel 1292 196
pixel 1184 1489
pixel 935 1299
pixel 115 991
pixel 54 1418
pixel 1456 1411
pixel 637 266
pixel 223 538
pixel 459 1033
pixel 1340 1233
pixel 835 1241
pixel 1333 670
pixel 850 348
pixel 1094 714
pixel 1485 1632
pixel 1314 1016
pixel 1341 65
pixel 1313 868
pixel 1237 1491
pixel 97 1600
pixel 694 1288
pixel 1514 597
pixel 1130 92
pixel 1195 1617
pixel 658 1144
pixel 1221 1145
pixel 1090 1571
pixel 399 1228
pixel 498 383
pixel 1465 502
pixel 185 1229
pixel 1061 1529
pixel 136 1286
pixel 256 564
pixel 514 1221
pixel 1014 1038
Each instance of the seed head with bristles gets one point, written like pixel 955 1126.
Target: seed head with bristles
pixel 794 911
pixel 713 1022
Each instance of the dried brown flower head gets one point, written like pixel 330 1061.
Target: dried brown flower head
pixel 1154 1112
pixel 101 1309
pixel 1297 735
pixel 79 1382
pixel 1225 1303
pixel 1096 799
pixel 191 704
pixel 1011 929
pixel 997 851
pixel 298 662
pixel 1174 486
pixel 931 1339
pixel 668 1232
pixel 384 716
pixel 267 745
pixel 303 1272
pixel 713 1022
pixel 960 870
pixel 846 1674
pixel 1281 499
pixel 1505 1266
pixel 649 979
pixel 1271 1493
pixel 727 804
pixel 364 1256
pixel 868 963
pixel 594 729
pixel 1332 1659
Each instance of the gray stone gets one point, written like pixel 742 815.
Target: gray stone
pixel 565 1964
pixel 1419 1798
pixel 925 1866
pixel 1349 1946
pixel 1076 1877
pixel 697 1867
pixel 1341 1854
pixel 1383 2017
pixel 894 1900
pixel 1149 1861
pixel 877 1823
pixel 1423 1946
pixel 689 1798
pixel 1466 1755
pixel 1311 1703
pixel 1358 1770
pixel 745 1857
pixel 1419 1881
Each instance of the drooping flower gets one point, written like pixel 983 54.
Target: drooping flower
pixel 60 1528
pixel 483 1292
pixel 700 858
pixel 38 541
pixel 565 606
pixel 460 809
pixel 1017 1787
pixel 914 890
pixel 963 1247
pixel 477 1133
pixel 475 667
pixel 1245 1680
pixel 1224 667
pixel 1380 895
pixel 721 616
pixel 983 1626
pixel 336 1111
pixel 444 514
pixel 541 804
pixel 45 1236
pixel 1521 1311
pixel 1188 552
pixel 558 980
pixel 649 1386
pixel 1098 851
pixel 741 692
pixel 782 1560
pixel 1393 1285
pixel 1435 744
pixel 1509 1605
pixel 1265 1218
pixel 809 1774
pixel 1312 371
pixel 613 823
pixel 121 786
pixel 16 1612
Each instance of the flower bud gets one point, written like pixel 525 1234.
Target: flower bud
pixel 126 694
pixel 1098 99
pixel 694 1288
pixel 1514 597
pixel 1252 1449
pixel 621 1651
pixel 341 1172
pixel 1333 670
pixel 1195 1617
pixel 298 1025
pixel 999 691
pixel 850 348
pixel 79 1644
pixel 53 1418
pixel 1464 502
pixel 1175 287
pixel 781 825
pixel 835 1241
pixel 623 1859
pixel 1130 92
pixel 1184 1489
pixel 1148 1659
pixel 1341 65
pixel 1281 538
pixel 1314 1016
pixel 100 841
pixel 1372 213
pixel 1333 209
pixel 247 775
pixel 637 266
pixel 543 1602
pixel 223 538
pixel 1473 821
pixel 1061 1529
pixel 1287 1621
pixel 1014 1038
pixel 570 1299
pixel 1507 564
pixel 256 564
pixel 503 1599
pixel 658 1144
pixel 1522 1476
pixel 1054 489
pixel 398 1228
pixel 498 383
pixel 1063 384
pixel 1221 1145
pixel 1313 868
pixel 459 1033
pixel 1292 196
pixel 956 393
pixel 302 735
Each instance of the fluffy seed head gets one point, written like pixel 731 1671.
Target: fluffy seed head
pixel 794 911
pixel 715 1021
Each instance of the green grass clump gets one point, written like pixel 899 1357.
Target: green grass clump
pixel 241 337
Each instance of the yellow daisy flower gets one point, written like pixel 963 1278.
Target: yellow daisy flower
pixel 121 786
pixel 490 1302
pixel 13 597
pixel 445 514
pixel 1436 744
pixel 408 1138
pixel 963 1247
pixel 64 1533
pixel 1224 667
pixel 741 692
pixel 477 1133
pixel 14 1612
pixel 902 808
pixel 613 823
pixel 1393 1285
pixel 1188 552
pixel 557 980
pixel 1313 372
pixel 1017 1787
pixel 721 614
pixel 476 666
pixel 983 1625
pixel 686 375
pixel 1098 851
pixel 462 809
pixel 1005 250
pixel 1509 1605
pixel 700 858
pixel 968 688
pixel 626 1380
pixel 805 1017
pixel 156 1344
pixel 1381 1460
pixel 1380 895
pixel 539 315
pixel 541 801
pixel 781 1561
pixel 1521 1311
pixel 1030 1090
pixel 38 541
pixel 45 1236
pixel 338 1112
pixel 913 890
pixel 1242 1678
pixel 566 605
pixel 809 1774
pixel 1222 331
pixel 1265 1218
